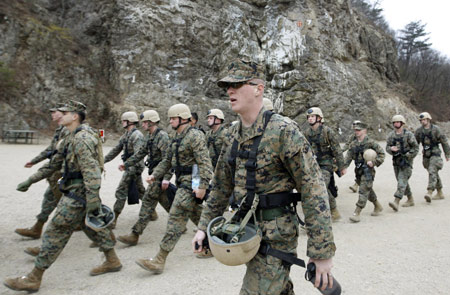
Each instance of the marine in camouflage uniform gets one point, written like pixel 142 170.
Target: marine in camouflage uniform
pixel 214 136
pixel 80 158
pixel 284 162
pixel 430 136
pixel 188 148
pixel 402 145
pixel 328 153
pixel 354 187
pixel 130 142
pixel 365 172
pixel 156 145
pixel 52 193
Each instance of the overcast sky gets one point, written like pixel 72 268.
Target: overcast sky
pixel 434 13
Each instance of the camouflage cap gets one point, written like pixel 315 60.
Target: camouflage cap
pixel 241 70
pixel 73 106
pixel 56 107
pixel 359 125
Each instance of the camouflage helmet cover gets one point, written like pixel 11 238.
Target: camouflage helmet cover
pixel 398 118
pixel 359 125
pixel 241 70
pixel 424 115
pixel 315 111
pixel 370 155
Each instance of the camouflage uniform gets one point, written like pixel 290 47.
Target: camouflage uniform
pixel 364 175
pixel 402 160
pixel 326 148
pixel 214 143
pixel 157 144
pixel 285 162
pixel 131 142
pixel 77 155
pixel 52 193
pixel 192 150
pixel 432 161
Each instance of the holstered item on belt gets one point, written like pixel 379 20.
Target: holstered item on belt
pixel 133 193
pixel 171 192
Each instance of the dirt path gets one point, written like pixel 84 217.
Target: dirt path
pixel 396 253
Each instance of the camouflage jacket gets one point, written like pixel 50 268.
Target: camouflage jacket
pixel 48 153
pixel 129 143
pixel 430 140
pixel 406 144
pixel 356 150
pixel 214 144
pixel 192 150
pixel 349 140
pixel 155 147
pixel 78 152
pixel 326 147
pixel 285 161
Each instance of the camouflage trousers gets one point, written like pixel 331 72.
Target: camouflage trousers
pixel 267 274
pixel 365 183
pixel 326 176
pixel 183 208
pixel 152 196
pixel 69 215
pixel 122 189
pixel 402 174
pixel 433 164
pixel 51 198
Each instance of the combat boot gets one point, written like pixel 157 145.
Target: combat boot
pixel 439 195
pixel 131 239
pixel 155 264
pixel 116 215
pixel 31 282
pixel 33 232
pixel 335 216
pixel 154 216
pixel 354 187
pixel 112 264
pixel 377 209
pixel 410 202
pixel 33 251
pixel 428 196
pixel 356 215
pixel 394 205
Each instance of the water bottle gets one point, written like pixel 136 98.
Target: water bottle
pixel 195 177
pixel 310 275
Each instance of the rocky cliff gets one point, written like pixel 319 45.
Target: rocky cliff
pixel 149 54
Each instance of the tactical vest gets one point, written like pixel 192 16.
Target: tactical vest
pixel 399 157
pixel 430 144
pixel 315 140
pixel 151 163
pixel 180 170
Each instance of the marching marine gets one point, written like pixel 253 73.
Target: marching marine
pixel 81 160
pixel 214 136
pixel 130 186
pixel 430 136
pixel 366 154
pixel 327 151
pixel 187 151
pixel 52 193
pixel 265 157
pixel 353 187
pixel 403 147
pixel 156 145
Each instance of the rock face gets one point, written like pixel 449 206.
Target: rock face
pixel 136 55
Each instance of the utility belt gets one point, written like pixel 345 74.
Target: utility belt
pixel 72 195
pixel 69 178
pixel 151 165
pixel 180 171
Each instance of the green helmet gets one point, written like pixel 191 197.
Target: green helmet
pixel 100 220
pixel 230 244
pixel 216 112
pixel 268 104
pixel 150 115
pixel 179 110
pixel 370 155
pixel 130 117
pixel 425 115
pixel 398 118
